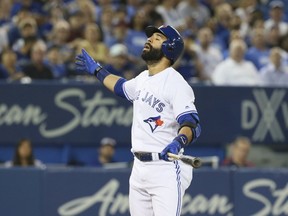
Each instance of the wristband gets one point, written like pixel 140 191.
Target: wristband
pixel 182 139
pixel 101 73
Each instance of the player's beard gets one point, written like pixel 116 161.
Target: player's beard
pixel 152 55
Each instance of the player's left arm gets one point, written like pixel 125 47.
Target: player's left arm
pixel 84 62
pixel 186 115
pixel 183 103
pixel 188 132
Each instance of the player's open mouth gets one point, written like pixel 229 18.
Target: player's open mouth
pixel 147 46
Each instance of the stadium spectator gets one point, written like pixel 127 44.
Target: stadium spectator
pixel 132 7
pixel 152 16
pixel 120 15
pixel 8 66
pixel 223 15
pixel 88 9
pixel 59 37
pixel 28 31
pixel 249 12
pixel 55 13
pixel 234 35
pixel 258 53
pixel 273 37
pixel 106 151
pixel 13 30
pixel 188 65
pixel 93 43
pixel 246 11
pixel 240 24
pixel 136 37
pixel 119 33
pixel 256 20
pixel 276 17
pixel 276 72
pixel 106 24
pixel 119 62
pixel 60 33
pixel 5 8
pixel 235 22
pixel 209 55
pixel 236 70
pixel 36 69
pixel 193 9
pixel 170 15
pixel 55 62
pixel 103 5
pixel 23 156
pixel 77 24
pixel 239 151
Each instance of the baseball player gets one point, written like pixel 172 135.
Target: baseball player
pixel 164 120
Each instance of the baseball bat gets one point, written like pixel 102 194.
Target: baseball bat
pixel 192 161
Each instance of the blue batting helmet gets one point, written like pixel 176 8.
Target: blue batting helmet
pixel 173 46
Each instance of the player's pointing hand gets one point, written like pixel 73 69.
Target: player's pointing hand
pixel 84 62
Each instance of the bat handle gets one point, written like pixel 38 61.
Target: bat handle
pixel 174 156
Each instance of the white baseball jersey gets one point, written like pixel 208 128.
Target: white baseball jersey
pixel 158 102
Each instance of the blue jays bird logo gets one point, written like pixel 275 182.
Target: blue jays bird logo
pixel 154 122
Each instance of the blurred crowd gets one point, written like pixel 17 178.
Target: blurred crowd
pixel 227 42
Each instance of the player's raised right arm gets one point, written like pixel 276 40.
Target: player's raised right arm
pixel 85 63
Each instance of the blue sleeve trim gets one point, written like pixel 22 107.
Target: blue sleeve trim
pixel 189 117
pixel 118 88
pixel 186 113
